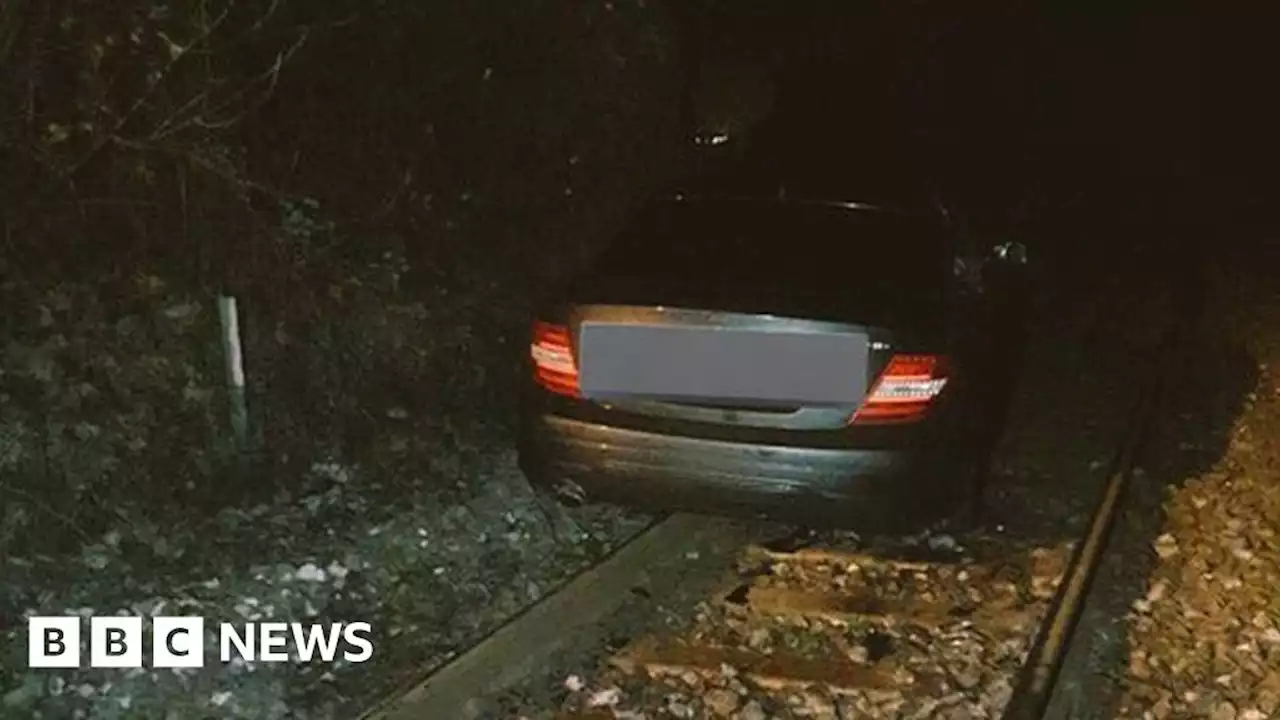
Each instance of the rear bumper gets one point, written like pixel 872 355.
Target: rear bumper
pixel 886 484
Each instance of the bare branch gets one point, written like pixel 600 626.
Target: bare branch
pixel 163 129
pixel 197 160
pixel 153 85
pixel 262 20
pixel 11 22
pixel 270 76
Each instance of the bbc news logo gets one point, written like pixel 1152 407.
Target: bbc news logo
pixel 179 642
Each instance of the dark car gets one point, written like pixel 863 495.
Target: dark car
pixel 814 360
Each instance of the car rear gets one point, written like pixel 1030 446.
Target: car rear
pixel 752 356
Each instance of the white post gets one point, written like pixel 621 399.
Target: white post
pixel 235 368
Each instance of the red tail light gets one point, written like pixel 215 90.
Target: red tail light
pixel 553 364
pixel 904 391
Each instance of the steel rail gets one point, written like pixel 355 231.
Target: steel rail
pixel 1033 693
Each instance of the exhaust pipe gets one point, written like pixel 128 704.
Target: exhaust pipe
pixel 570 493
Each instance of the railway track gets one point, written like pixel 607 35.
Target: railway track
pixel 819 625
pixel 848 632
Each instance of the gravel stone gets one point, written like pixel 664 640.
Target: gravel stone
pixel 752 711
pixel 1224 711
pixel 1202 637
pixel 721 702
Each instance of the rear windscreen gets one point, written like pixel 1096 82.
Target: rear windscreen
pixel 757 240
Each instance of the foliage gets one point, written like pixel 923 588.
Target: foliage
pixel 120 122
pixel 381 222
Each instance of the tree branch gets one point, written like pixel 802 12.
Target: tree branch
pixel 153 86
pixel 270 76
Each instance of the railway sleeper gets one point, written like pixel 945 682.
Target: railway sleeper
pixel 772 672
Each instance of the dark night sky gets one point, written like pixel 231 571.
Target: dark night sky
pixel 1155 100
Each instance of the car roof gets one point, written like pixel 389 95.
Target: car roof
pixel 834 175
pixel 918 211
